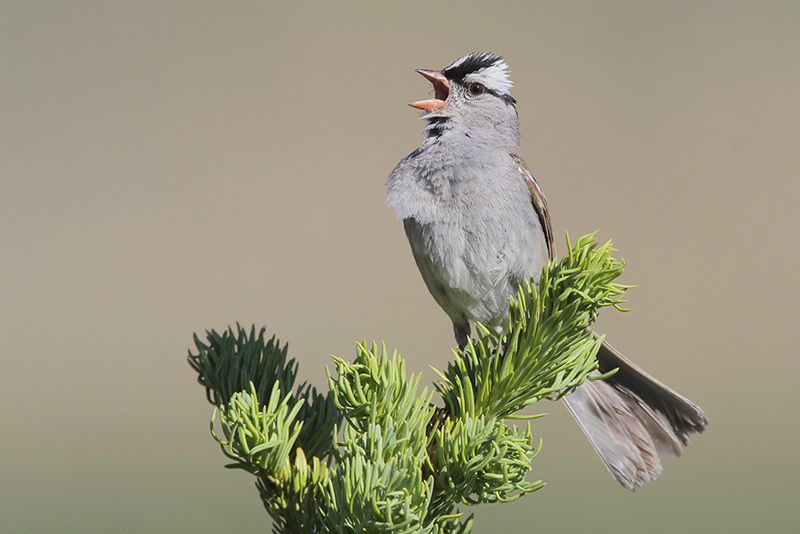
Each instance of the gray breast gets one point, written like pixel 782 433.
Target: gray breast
pixel 475 236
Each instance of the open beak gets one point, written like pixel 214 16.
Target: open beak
pixel 441 89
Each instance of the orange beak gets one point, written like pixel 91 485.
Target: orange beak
pixel 441 89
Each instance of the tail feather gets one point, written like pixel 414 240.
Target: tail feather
pixel 684 416
pixel 632 419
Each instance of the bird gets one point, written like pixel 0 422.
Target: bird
pixel 478 224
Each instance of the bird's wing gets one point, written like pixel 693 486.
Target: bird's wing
pixel 539 204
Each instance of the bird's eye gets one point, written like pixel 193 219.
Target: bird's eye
pixel 476 89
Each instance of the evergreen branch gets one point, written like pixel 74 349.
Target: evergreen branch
pixel 238 360
pixel 294 503
pixel 482 461
pixel 259 438
pixel 374 495
pixel 381 403
pixel 401 465
pixel 547 350
pixel 228 363
pixel 321 421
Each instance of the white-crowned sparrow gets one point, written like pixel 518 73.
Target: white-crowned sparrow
pixel 478 225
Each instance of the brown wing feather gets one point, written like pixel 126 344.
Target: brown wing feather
pixel 539 204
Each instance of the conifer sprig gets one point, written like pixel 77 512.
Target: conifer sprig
pixel 375 455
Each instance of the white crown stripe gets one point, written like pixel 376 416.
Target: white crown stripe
pixel 494 77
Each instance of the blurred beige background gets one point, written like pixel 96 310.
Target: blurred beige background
pixel 167 167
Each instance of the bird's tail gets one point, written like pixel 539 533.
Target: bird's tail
pixel 633 420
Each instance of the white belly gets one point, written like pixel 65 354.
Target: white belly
pixel 473 271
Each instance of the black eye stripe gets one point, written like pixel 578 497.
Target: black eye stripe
pixel 508 99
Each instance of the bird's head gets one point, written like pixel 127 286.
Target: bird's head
pixel 473 94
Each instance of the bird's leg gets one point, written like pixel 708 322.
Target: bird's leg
pixel 462 334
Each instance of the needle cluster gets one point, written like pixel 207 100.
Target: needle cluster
pixel 376 454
